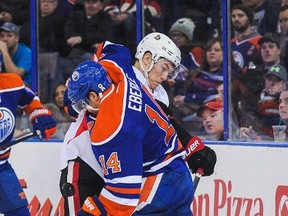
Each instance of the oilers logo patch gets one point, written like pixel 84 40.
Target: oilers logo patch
pixel 75 75
pixel 7 122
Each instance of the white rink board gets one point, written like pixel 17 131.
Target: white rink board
pixel 247 180
pixel 38 164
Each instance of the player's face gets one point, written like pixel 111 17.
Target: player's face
pixel 240 20
pixel 270 53
pixel 10 39
pixel 283 106
pixel 59 95
pixel 283 21
pixel 213 121
pixel 94 102
pixel 159 73
pixel 214 55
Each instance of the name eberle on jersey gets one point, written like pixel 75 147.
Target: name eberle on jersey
pixel 135 96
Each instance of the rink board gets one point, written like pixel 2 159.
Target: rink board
pixel 248 180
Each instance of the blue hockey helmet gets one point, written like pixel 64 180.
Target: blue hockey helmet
pixel 87 76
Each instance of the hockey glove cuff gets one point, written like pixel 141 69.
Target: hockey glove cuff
pixel 43 123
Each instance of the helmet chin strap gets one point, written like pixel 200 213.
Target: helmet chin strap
pixel 91 109
pixel 146 71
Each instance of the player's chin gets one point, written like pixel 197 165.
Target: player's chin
pixel 154 85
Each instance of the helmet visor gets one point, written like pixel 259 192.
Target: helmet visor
pixel 80 105
pixel 173 74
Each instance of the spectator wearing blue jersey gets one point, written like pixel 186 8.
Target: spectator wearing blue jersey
pixel 244 46
pixel 16 56
pixel 203 81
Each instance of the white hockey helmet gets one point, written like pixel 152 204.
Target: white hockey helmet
pixel 160 46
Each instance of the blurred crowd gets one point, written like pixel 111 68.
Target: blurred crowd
pixel 69 31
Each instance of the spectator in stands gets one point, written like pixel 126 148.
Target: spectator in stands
pixel 204 80
pixel 16 11
pixel 270 50
pixel 66 6
pixel 275 83
pixel 265 14
pixel 204 13
pixel 249 133
pixel 245 94
pixel 212 118
pixel 84 30
pixel 283 24
pixel 252 82
pixel 244 46
pixel 268 114
pixel 123 14
pixel 16 56
pixel 59 114
pixel 220 90
pixel 181 33
pixel 50 28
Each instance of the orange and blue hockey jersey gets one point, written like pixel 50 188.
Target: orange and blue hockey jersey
pixel 13 93
pixel 132 137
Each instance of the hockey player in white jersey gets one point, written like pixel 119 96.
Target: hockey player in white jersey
pixel 153 48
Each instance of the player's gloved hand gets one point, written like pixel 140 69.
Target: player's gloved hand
pixel 197 154
pixel 92 206
pixel 200 156
pixel 68 106
pixel 43 123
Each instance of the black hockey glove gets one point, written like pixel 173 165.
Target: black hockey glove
pixel 197 154
pixel 205 159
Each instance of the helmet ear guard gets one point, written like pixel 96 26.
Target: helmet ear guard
pixel 87 76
